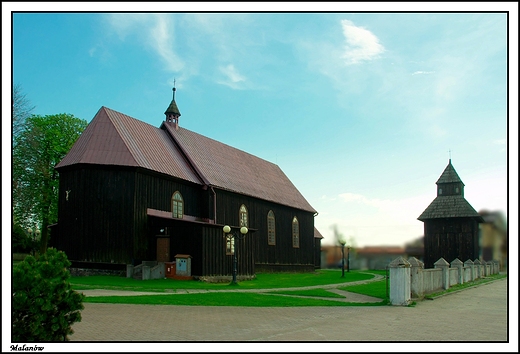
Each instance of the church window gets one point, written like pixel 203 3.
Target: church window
pixel 177 205
pixel 243 216
pixel 295 233
pixel 271 232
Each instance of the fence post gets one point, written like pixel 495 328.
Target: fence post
pixel 456 263
pixel 478 267
pixel 441 263
pixel 489 268
pixel 471 266
pixel 416 274
pixel 399 282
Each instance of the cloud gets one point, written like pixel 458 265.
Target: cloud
pixel 361 44
pixel 232 78
pixel 162 43
pixel 423 72
pixel 154 31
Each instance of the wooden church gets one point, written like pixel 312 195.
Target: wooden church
pixel 131 192
pixel 451 225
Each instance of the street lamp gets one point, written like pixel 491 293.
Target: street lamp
pixel 230 237
pixel 348 259
pixel 342 242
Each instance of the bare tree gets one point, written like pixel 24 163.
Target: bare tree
pixel 21 109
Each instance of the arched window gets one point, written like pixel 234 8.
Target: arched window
pixel 177 205
pixel 230 245
pixel 243 216
pixel 271 231
pixel 295 233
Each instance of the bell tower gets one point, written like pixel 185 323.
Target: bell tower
pixel 172 112
pixel 451 227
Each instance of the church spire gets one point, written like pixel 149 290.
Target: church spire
pixel 172 112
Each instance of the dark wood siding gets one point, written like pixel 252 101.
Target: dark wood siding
pixel 105 220
pixel 105 217
pixel 89 224
pixel 155 191
pixel 450 238
pixel 215 260
pixel 279 257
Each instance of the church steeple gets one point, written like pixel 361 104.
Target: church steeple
pixel 172 112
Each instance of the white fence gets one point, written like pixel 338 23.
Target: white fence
pixel 409 279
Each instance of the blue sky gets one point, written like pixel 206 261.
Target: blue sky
pixel 360 110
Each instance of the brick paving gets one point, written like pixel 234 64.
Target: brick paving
pixel 474 314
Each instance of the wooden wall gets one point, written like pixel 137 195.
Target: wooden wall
pixel 450 238
pixel 279 257
pixel 104 219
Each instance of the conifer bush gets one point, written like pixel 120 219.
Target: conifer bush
pixel 44 305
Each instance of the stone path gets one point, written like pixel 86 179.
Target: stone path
pixel 477 314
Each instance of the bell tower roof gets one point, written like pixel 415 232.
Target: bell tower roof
pixel 449 175
pixel 172 108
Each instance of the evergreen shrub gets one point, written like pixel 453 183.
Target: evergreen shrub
pixel 44 305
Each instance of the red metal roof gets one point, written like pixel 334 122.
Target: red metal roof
pixel 113 138
pixel 231 169
pixel 380 250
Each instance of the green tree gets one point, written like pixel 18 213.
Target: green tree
pixel 44 305
pixel 37 149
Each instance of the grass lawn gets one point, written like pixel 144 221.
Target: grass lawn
pixel 262 281
pixel 224 299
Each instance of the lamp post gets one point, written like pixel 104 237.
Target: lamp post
pixel 348 259
pixel 342 242
pixel 230 236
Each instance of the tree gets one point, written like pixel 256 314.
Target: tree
pixel 37 149
pixel 21 109
pixel 44 305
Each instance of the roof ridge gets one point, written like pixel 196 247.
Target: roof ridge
pixel 186 154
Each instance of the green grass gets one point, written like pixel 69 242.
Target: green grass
pixel 375 289
pixel 223 299
pixel 262 281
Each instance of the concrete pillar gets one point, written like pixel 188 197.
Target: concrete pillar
pixel 457 263
pixel 489 268
pixel 445 266
pixel 497 267
pixel 400 293
pixel 478 268
pixel 146 272
pixel 469 264
pixel 416 274
pixel 129 271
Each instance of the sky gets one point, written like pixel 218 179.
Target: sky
pixel 362 111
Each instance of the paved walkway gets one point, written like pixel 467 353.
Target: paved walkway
pixel 474 314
